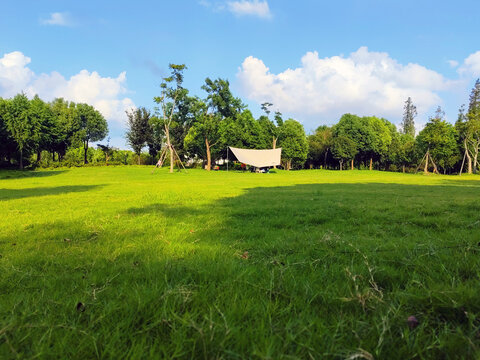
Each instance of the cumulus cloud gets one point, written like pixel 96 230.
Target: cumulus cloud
pixel 106 94
pixel 57 18
pixel 365 82
pixel 471 65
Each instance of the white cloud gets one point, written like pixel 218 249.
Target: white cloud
pixel 471 65
pixel 254 8
pixel 365 83
pixel 106 94
pixel 57 18
pixel 453 63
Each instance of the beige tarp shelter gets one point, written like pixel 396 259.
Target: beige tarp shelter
pixel 258 158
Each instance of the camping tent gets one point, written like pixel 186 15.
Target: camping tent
pixel 258 158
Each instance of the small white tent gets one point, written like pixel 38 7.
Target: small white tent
pixel 258 158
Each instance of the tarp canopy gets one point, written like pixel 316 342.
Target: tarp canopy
pixel 258 158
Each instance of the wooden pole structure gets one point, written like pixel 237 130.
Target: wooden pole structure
pixel 421 162
pixel 463 163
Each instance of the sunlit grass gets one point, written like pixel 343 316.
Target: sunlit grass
pixel 118 262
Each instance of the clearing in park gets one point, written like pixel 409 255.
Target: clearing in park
pixel 118 262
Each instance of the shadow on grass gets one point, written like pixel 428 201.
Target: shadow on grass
pixel 17 174
pixel 12 194
pixel 265 274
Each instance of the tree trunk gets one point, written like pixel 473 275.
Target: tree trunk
pixel 169 145
pixel 138 159
pixel 21 160
pixel 425 169
pixel 371 163
pixel 209 155
pixel 53 155
pixel 274 147
pixel 352 164
pixel 288 164
pixel 325 159
pixel 341 162
pixel 85 148
pixel 469 158
pixel 403 168
pixel 39 156
pixel 475 161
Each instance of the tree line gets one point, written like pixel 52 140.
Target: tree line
pixel 197 130
pixel 367 142
pixel 32 127
pixel 190 128
pixel 201 129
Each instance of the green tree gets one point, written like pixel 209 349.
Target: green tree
pixel 343 149
pixel 7 143
pixel 461 126
pixel 270 128
pixel 220 99
pixel 377 140
pixel 371 135
pixel 408 121
pixel 438 140
pixel 48 132
pixel 65 114
pixel 107 150
pixel 157 136
pixel 92 126
pixel 138 130
pixel 293 141
pixel 203 136
pixel 23 128
pixel 473 125
pixel 319 145
pixel 171 90
pixel 402 150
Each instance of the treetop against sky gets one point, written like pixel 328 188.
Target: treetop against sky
pixel 313 60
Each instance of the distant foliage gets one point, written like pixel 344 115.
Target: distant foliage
pixel 408 121
pixel 198 131
pixel 30 129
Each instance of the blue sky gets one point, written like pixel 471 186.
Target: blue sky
pixel 315 60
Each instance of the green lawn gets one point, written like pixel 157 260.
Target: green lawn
pixel 117 262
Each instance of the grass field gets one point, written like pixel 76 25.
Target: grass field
pixel 120 263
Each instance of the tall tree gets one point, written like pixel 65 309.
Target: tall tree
pixel 171 89
pixel 343 149
pixel 438 140
pixel 204 134
pixel 473 124
pixel 269 127
pixel 464 136
pixel 92 126
pixel 22 126
pixel 48 132
pixel 402 150
pixel 319 145
pixel 157 136
pixel 293 142
pixel 220 99
pixel 408 121
pixel 67 125
pixel 378 140
pixel 7 143
pixel 138 130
